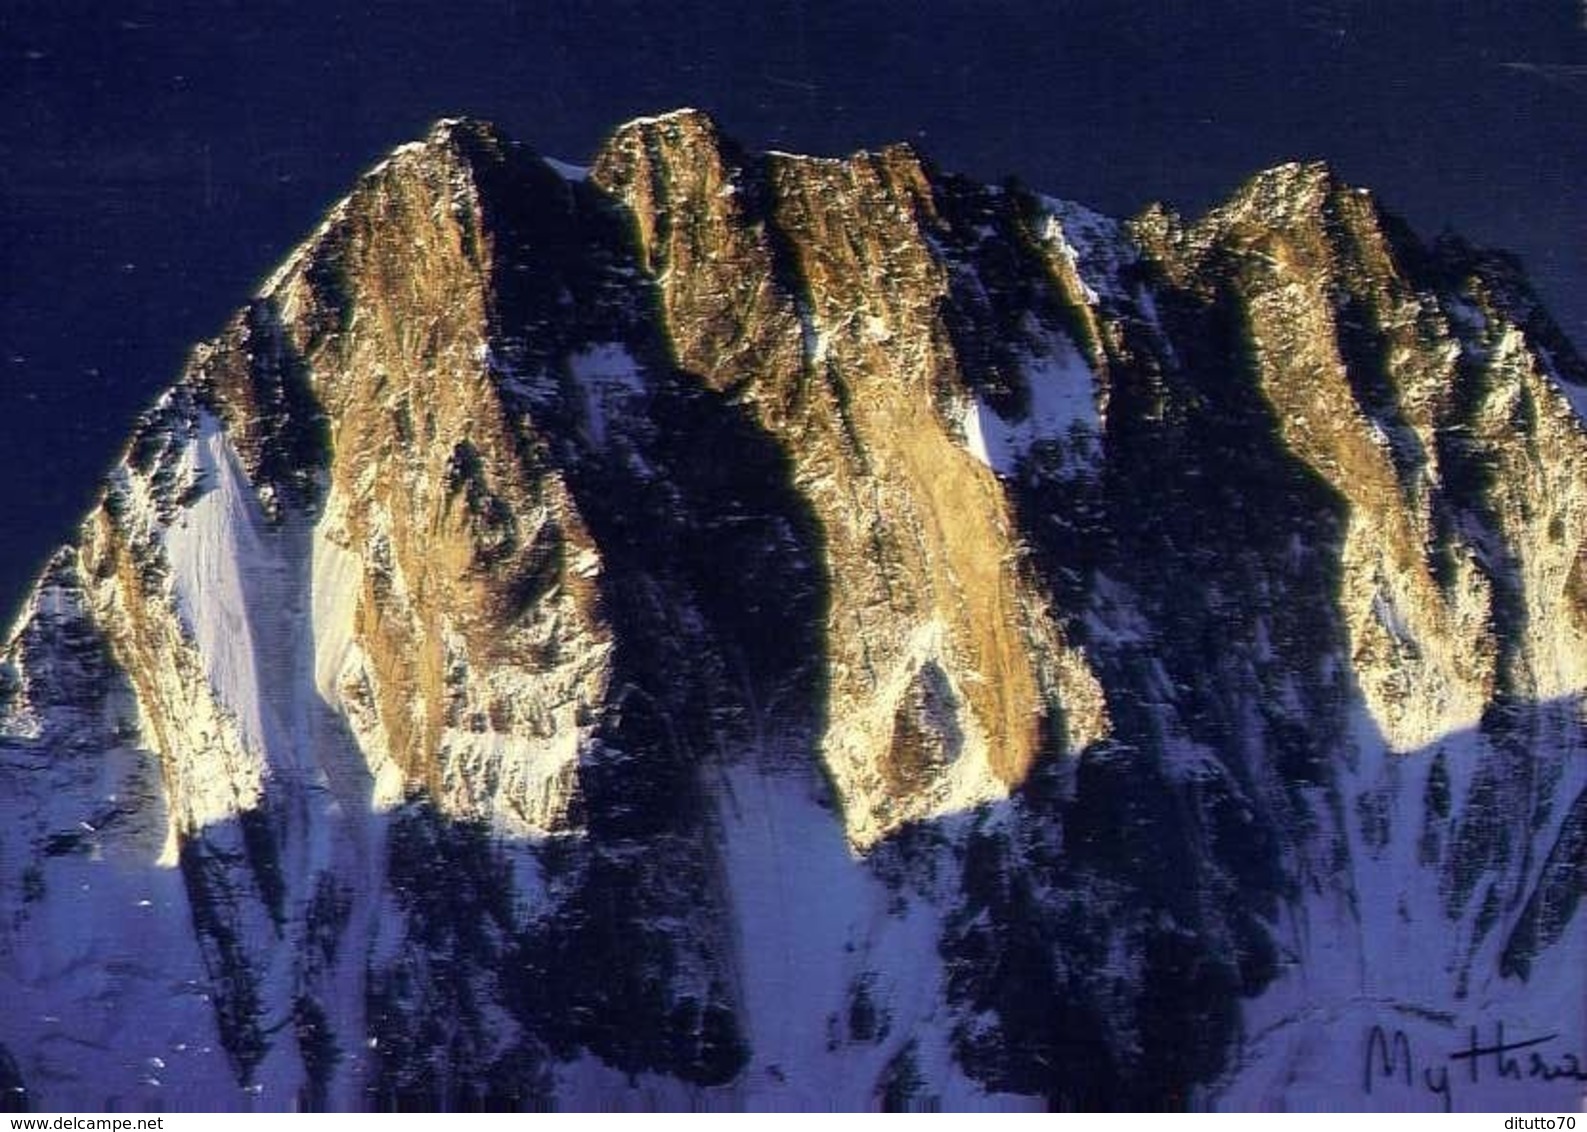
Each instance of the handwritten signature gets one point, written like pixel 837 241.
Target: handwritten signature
pixel 1389 1055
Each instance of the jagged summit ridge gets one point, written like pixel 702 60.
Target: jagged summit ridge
pixel 737 629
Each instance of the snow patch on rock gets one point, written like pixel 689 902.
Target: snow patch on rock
pixel 611 382
pixel 1062 407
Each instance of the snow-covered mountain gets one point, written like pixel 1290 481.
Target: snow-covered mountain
pixel 746 630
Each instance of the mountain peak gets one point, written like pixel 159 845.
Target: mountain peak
pixel 685 132
pixel 1297 193
pixel 684 117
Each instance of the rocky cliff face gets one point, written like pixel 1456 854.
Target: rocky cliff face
pixel 749 630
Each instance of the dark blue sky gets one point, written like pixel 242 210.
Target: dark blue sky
pixel 156 159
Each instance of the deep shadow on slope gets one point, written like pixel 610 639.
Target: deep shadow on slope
pixel 1193 514
pixel 712 588
pixel 1086 868
pixel 712 584
pixel 1199 819
pixel 1197 515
